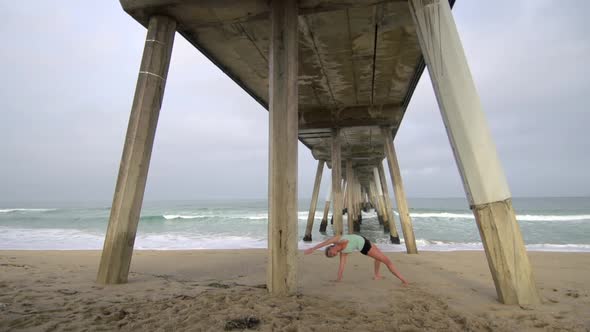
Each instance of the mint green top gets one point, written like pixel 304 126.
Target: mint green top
pixel 355 242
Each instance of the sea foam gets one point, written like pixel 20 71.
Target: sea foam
pixel 523 217
pixel 25 210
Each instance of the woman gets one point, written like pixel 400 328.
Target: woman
pixel 349 243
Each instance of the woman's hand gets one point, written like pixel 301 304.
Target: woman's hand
pixel 308 251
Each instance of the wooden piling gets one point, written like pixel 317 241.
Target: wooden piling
pixel 120 237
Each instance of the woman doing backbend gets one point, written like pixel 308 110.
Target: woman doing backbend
pixel 346 244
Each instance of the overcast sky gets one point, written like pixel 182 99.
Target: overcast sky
pixel 69 69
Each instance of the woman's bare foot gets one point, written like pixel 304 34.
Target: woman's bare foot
pixel 377 277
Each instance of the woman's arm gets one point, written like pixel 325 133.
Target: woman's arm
pixel 323 244
pixel 341 266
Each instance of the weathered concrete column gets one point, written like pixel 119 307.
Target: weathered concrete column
pixel 392 229
pixel 350 196
pixel 336 179
pixel 375 198
pixel 282 182
pixel 475 152
pixel 380 198
pixel 358 204
pixel 149 92
pixel 324 223
pixel 400 195
pixel 314 200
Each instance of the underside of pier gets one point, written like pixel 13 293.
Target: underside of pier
pixel 359 62
pixel 338 75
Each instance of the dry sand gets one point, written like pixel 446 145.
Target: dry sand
pixel 206 290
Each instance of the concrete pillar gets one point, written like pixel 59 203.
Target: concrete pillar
pixel 400 195
pixel 475 152
pixel 336 180
pixel 350 195
pixel 380 198
pixel 364 199
pixel 324 223
pixel 282 182
pixel 375 199
pixel 358 205
pixel 344 195
pixel 392 229
pixel 314 200
pixel 149 92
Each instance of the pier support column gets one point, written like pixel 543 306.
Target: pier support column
pixel 358 205
pixel 400 195
pixel 282 182
pixel 475 152
pixel 324 223
pixel 375 198
pixel 336 180
pixel 149 92
pixel 393 234
pixel 350 195
pixel 314 200
pixel 380 198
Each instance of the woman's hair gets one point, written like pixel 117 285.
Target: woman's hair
pixel 328 250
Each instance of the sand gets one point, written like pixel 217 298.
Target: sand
pixel 209 290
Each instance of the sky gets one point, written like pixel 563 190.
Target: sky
pixel 69 70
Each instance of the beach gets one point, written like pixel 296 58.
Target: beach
pixel 213 290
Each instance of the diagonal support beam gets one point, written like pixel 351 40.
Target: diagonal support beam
pixel 483 178
pixel 398 190
pixel 149 92
pixel 314 200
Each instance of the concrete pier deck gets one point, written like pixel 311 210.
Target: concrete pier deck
pixel 359 63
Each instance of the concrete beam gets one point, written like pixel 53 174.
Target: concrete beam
pixel 149 92
pixel 282 200
pixel 353 116
pixel 475 152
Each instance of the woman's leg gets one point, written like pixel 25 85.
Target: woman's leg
pixel 377 266
pixel 378 255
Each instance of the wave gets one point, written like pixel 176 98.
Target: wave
pixel 25 210
pixel 443 215
pixel 527 217
pixel 301 215
pixel 523 217
pixel 74 239
pixel 178 216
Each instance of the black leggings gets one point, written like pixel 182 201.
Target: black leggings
pixel 366 247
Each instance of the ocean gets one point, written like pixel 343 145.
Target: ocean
pixel 444 224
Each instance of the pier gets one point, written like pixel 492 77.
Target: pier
pixel 336 75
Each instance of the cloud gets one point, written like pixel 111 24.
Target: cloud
pixel 69 76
